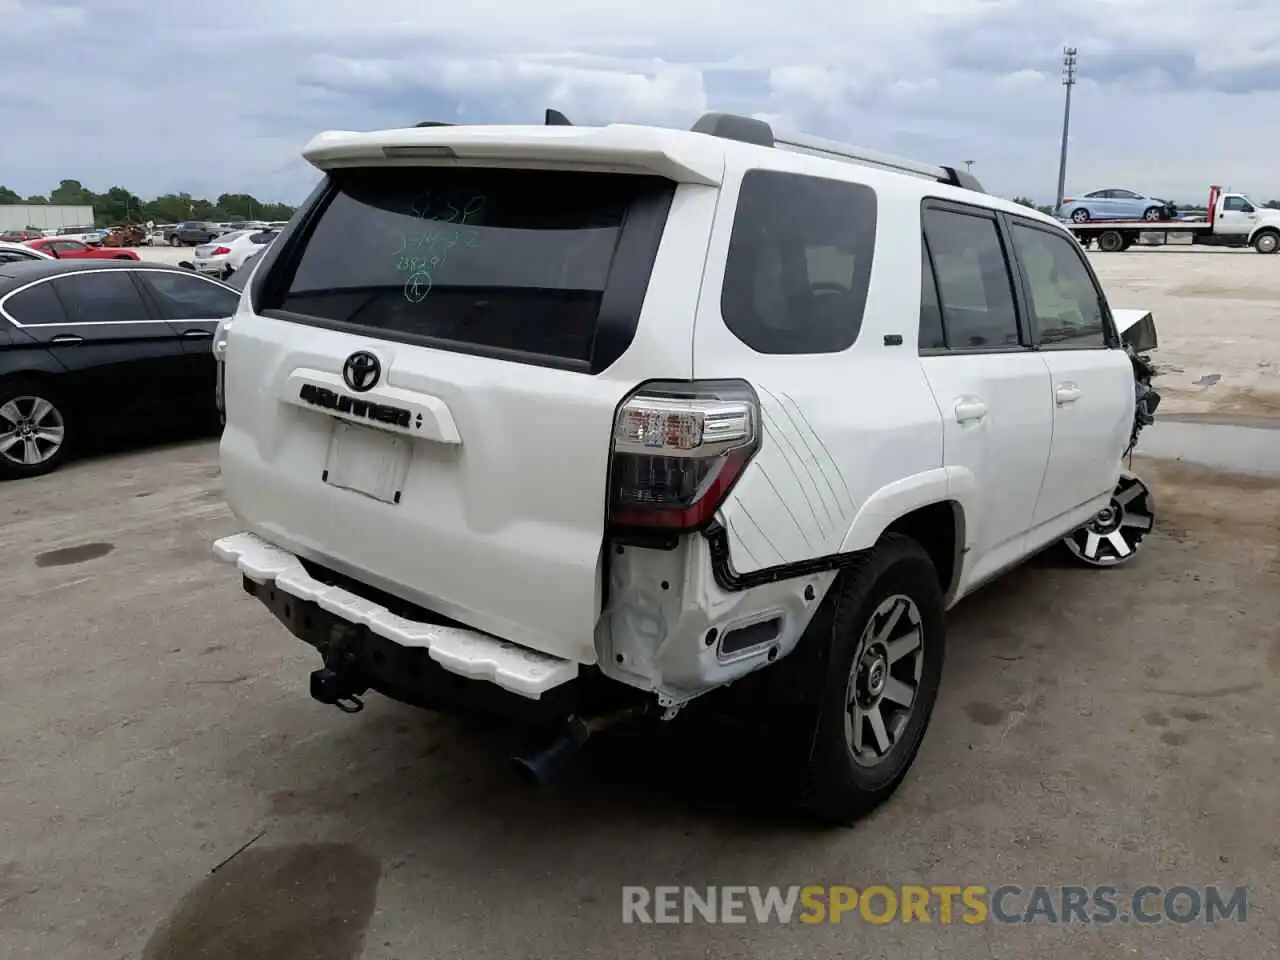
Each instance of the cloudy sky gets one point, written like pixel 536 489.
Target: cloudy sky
pixel 212 97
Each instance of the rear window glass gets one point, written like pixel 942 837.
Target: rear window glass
pixel 799 262
pixel 501 259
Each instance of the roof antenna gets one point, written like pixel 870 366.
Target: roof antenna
pixel 557 119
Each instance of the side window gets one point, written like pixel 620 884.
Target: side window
pixel 182 297
pixel 931 333
pixel 974 285
pixel 105 296
pixel 1124 195
pixel 68 246
pixel 799 263
pixel 1234 203
pixel 1066 306
pixel 16 256
pixel 36 306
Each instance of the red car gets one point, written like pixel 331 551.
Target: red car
pixel 65 248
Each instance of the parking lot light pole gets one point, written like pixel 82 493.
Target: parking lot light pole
pixel 1068 81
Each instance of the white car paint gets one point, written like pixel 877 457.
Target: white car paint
pixel 504 468
pixel 224 255
pixel 20 250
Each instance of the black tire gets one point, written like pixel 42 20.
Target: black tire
pixel 837 788
pixel 1153 214
pixel 12 389
pixel 1080 216
pixel 1267 241
pixel 174 241
pixel 1111 241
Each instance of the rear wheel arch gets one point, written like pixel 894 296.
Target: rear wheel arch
pixel 939 529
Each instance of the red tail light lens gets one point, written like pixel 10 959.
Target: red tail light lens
pixel 1066 200
pixel 220 251
pixel 678 448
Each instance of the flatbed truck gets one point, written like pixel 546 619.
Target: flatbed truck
pixel 1233 220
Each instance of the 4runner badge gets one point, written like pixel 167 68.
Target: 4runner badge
pixel 361 371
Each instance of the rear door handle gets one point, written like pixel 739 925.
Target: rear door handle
pixel 970 410
pixel 67 338
pixel 1066 393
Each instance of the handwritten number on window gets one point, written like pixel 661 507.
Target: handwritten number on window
pixel 443 227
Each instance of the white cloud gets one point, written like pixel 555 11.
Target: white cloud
pixel 214 98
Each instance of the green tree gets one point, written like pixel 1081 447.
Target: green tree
pixel 120 205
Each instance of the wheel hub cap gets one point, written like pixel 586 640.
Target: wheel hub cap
pixel 884 680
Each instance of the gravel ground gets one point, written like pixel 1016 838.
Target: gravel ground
pixel 1217 312
pixel 1113 727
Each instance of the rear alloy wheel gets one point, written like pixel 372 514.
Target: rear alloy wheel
pixel 33 432
pixel 1117 532
pixel 1080 216
pixel 1267 242
pixel 880 676
pixel 1152 214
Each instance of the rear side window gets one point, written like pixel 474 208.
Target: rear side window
pixel 1066 305
pixel 799 263
pixel 542 266
pixel 36 306
pixel 974 285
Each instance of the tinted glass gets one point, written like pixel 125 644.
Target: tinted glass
pixel 799 262
pixel 68 246
pixel 974 285
pixel 16 256
pixel 491 258
pixel 36 306
pixel 184 297
pixel 1234 203
pixel 101 297
pixel 1066 306
pixel 931 335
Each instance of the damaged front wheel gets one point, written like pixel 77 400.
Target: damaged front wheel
pixel 1116 533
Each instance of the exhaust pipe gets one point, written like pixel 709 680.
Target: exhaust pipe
pixel 544 765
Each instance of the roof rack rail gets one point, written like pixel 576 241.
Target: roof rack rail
pixel 433 123
pixel 751 130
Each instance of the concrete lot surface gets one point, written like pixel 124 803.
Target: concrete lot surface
pixel 1217 312
pixel 1114 727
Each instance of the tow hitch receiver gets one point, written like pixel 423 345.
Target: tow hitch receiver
pixel 339 685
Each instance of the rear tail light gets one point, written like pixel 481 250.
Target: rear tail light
pixel 220 251
pixel 678 448
pixel 1066 200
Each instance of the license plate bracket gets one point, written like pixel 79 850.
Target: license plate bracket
pixel 367 461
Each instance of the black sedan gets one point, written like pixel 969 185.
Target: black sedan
pixel 90 348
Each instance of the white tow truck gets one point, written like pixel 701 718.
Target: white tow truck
pixel 1233 220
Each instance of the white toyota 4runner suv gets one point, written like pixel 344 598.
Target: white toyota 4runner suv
pixel 593 420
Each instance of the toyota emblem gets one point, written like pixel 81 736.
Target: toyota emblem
pixel 361 371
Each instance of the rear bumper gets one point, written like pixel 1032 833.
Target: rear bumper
pixel 390 646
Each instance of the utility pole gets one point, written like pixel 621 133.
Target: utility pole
pixel 1068 81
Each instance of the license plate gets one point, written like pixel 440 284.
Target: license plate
pixel 363 460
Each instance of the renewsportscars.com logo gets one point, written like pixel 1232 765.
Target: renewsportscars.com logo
pixel 1104 904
